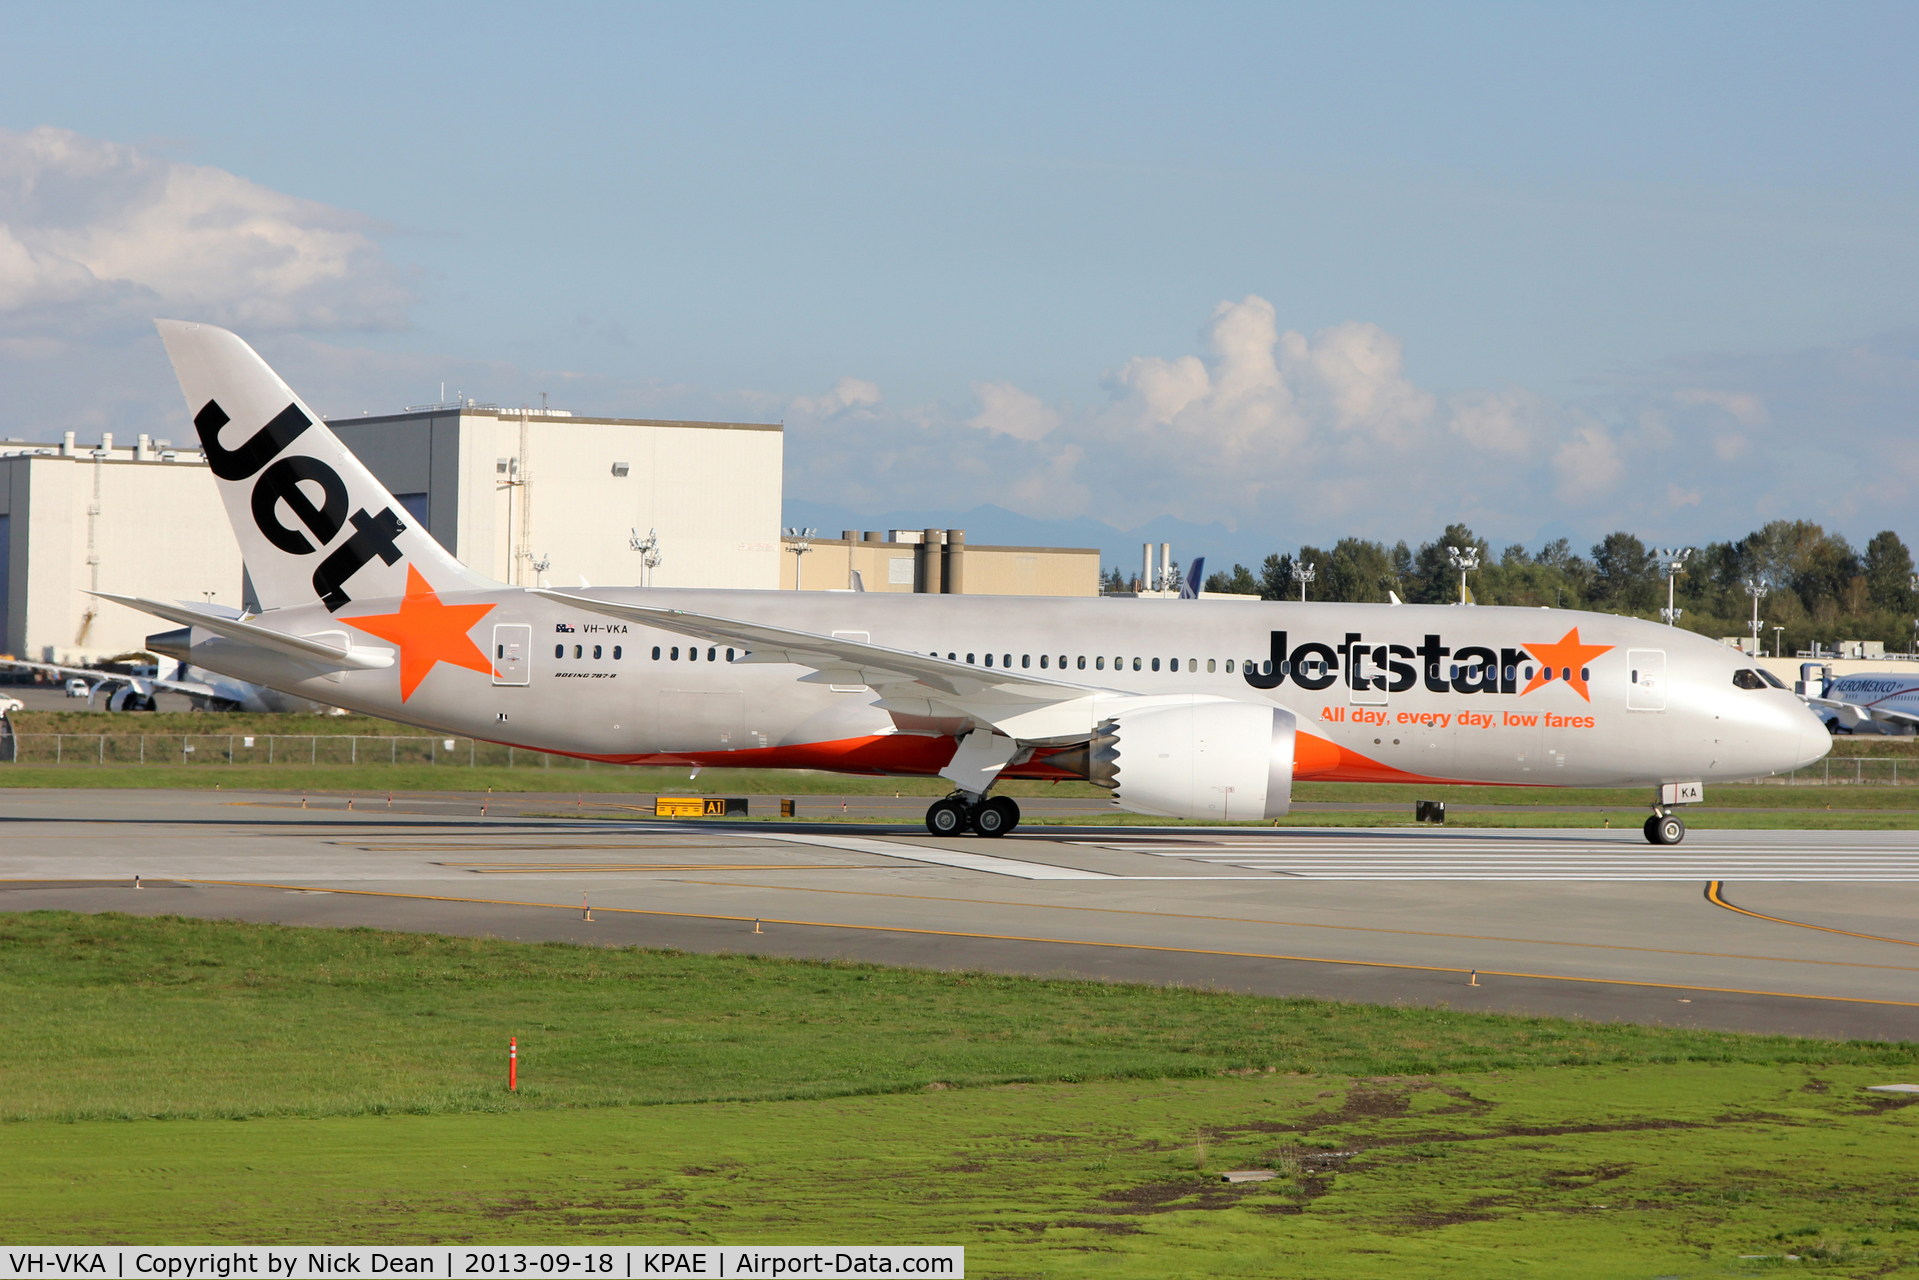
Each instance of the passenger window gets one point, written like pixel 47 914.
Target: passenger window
pixel 1006 660
pixel 692 653
pixel 713 654
pixel 1266 667
pixel 1229 666
pixel 1042 662
pixel 1136 664
pixel 616 653
pixel 656 653
pixel 1099 664
pixel 1082 662
pixel 950 658
pixel 1546 673
pixel 676 653
pixel 579 650
pixel 1509 675
pixel 1566 673
pixel 1025 659
pixel 1192 665
pixel 559 651
pixel 1529 673
pixel 969 658
pixel 1210 668
pixel 1156 664
pixel 1585 673
pixel 729 654
pixel 989 659
pixel 596 653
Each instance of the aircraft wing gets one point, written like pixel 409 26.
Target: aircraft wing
pixel 144 685
pixel 1851 713
pixel 1023 704
pixel 309 648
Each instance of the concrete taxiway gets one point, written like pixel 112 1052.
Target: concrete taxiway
pixel 1803 933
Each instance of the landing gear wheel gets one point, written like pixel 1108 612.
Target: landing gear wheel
pixel 1670 829
pixel 996 817
pixel 946 818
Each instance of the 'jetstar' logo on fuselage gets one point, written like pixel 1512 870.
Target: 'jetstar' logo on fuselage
pixel 1390 667
pixel 372 535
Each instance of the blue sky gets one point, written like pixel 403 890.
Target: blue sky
pixel 1293 272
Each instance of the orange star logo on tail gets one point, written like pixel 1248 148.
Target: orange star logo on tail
pixel 428 632
pixel 1564 661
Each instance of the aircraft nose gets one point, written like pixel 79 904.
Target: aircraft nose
pixel 1815 743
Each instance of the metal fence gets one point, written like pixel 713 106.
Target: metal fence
pixel 270 749
pixel 1851 771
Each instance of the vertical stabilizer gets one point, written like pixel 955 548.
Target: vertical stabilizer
pixel 313 523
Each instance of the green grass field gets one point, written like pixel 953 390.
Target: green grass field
pixel 1055 1128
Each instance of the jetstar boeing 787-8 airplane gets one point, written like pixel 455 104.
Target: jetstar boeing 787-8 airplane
pixel 1197 710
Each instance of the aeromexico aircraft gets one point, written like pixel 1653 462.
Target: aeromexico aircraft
pixel 1197 710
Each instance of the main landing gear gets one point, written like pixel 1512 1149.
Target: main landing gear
pixel 958 813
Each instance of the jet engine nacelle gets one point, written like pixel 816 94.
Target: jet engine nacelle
pixel 1210 759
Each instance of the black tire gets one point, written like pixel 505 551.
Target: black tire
pixel 996 817
pixel 1667 830
pixel 946 818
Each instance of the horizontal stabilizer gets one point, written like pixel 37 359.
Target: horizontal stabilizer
pixel 306 648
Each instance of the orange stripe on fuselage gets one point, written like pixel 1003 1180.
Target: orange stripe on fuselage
pixel 1315 759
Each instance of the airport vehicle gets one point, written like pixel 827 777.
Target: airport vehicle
pixel 1862 702
pixel 133 691
pixel 1195 710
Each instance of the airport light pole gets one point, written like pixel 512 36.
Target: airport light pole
pixel 649 549
pixel 1303 574
pixel 1674 561
pixel 1464 559
pixel 1757 588
pixel 799 548
pixel 1778 640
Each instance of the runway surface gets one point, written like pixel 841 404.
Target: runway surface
pixel 1804 933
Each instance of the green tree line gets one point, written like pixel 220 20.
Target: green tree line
pixel 1818 586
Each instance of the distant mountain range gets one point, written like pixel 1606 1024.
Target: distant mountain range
pixel 997 526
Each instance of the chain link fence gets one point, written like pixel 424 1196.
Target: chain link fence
pixel 269 749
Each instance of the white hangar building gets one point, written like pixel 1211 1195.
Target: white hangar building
pixel 521 496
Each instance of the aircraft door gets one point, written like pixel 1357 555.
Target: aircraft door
pixel 1370 676
pixel 512 652
pixel 1647 668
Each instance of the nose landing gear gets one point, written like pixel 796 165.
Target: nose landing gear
pixel 956 814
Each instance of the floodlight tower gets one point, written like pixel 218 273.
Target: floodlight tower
pixel 798 549
pixel 1673 560
pixel 1757 589
pixel 1303 574
pixel 649 549
pixel 1464 559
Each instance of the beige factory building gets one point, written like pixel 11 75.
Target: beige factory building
pixel 935 561
pixel 542 495
pixel 145 520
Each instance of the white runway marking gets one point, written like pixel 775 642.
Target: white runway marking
pixel 940 857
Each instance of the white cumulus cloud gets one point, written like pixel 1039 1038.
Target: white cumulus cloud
pixel 95 232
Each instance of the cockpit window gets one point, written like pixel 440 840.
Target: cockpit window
pixel 1747 678
pixel 1772 679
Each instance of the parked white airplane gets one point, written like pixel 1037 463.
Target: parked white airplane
pixel 1203 711
pixel 1863 702
pixel 208 690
